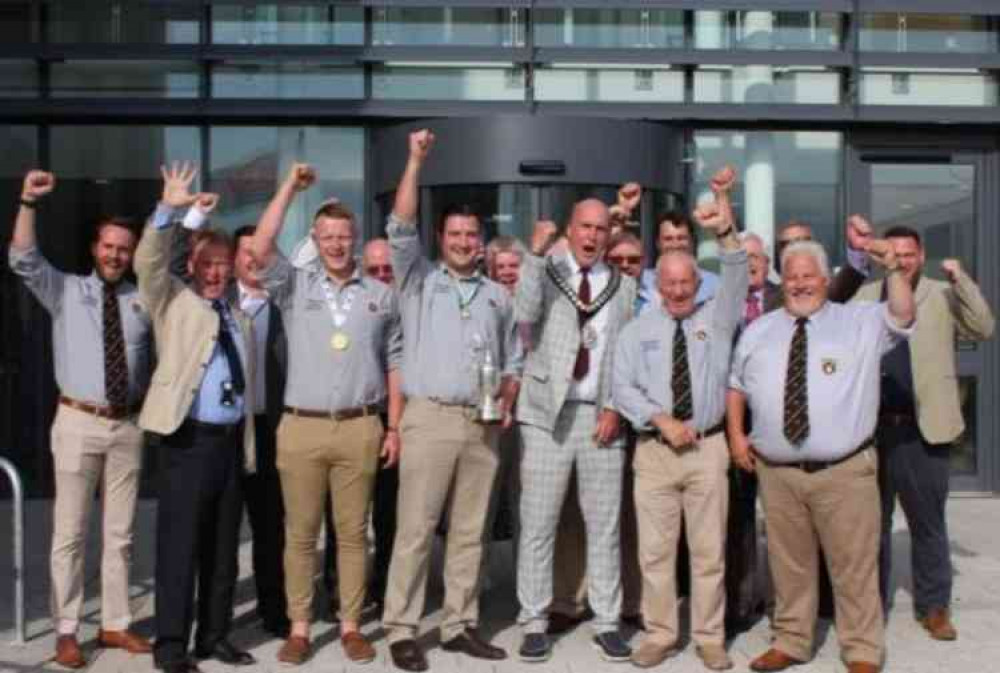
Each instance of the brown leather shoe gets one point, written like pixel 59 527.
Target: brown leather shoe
pixel 938 624
pixel 774 660
pixel 68 652
pixel 295 650
pixel 126 640
pixel 357 648
pixel 861 667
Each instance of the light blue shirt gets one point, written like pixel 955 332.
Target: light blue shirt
pixel 644 355
pixel 846 343
pixel 651 295
pixel 207 405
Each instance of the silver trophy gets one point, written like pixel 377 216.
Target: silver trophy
pixel 488 410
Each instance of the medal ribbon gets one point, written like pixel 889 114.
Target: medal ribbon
pixel 339 311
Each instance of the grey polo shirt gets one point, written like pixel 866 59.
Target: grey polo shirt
pixel 76 305
pixel 441 349
pixel 846 343
pixel 321 378
pixel 644 355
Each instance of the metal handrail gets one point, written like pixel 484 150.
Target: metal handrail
pixel 20 633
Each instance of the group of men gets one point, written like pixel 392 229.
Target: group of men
pixel 645 405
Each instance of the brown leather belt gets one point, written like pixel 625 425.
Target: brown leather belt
pixel 811 466
pixel 341 415
pixel 111 413
pixel 714 430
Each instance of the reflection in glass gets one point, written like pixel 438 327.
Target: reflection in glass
pixel 938 200
pixel 124 79
pixel 559 199
pixel 287 23
pixel 783 175
pixel 766 84
pixel 613 84
pixel 287 80
pixel 119 22
pixel 16 26
pixel 767 30
pixel 473 81
pixel 904 32
pixel 612 28
pixel 248 164
pixel 437 26
pixel 18 79
pixel 913 86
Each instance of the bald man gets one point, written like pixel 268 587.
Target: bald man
pixel 376 260
pixel 576 304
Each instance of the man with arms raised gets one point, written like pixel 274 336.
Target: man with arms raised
pixel 344 350
pixel 453 319
pixel 101 343
pixel 810 374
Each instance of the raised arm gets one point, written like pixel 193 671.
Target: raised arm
pixel 972 314
pixel 153 254
pixel 404 240
pixel 902 306
pixel 43 279
pixel 717 219
pixel 529 299
pixel 300 177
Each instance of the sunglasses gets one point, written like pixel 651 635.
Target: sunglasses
pixel 618 260
pixel 384 268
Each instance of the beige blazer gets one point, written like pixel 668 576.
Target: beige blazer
pixel 186 328
pixel 944 312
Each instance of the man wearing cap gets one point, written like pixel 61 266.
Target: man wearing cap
pixel 456 323
pixel 810 374
pixel 344 350
pixel 101 348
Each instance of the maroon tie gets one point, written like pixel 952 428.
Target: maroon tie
pixel 582 365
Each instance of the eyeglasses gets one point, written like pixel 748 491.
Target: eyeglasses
pixel 619 260
pixel 378 269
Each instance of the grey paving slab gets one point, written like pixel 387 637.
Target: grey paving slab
pixel 975 552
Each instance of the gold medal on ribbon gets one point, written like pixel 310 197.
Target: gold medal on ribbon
pixel 340 341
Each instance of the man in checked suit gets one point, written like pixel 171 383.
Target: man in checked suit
pixel 201 400
pixel 920 418
pixel 576 305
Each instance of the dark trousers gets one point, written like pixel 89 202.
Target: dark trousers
pixel 266 511
pixel 198 526
pixel 384 523
pixel 743 603
pixel 917 473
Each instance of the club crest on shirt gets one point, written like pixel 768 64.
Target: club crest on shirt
pixel 372 307
pixel 701 335
pixel 493 303
pixel 829 366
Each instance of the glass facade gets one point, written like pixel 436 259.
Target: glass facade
pixel 104 91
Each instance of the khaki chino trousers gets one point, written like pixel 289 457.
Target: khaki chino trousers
pixel 88 451
pixel 448 460
pixel 319 458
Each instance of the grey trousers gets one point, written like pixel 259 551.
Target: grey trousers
pixel 548 460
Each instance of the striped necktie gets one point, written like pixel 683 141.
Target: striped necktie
pixel 115 362
pixel 680 375
pixel 796 385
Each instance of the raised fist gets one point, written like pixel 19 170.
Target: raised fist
pixel 177 183
pixel 206 202
pixel 859 233
pixel 881 253
pixel 628 196
pixel 301 176
pixel 952 268
pixel 37 184
pixel 713 217
pixel 543 235
pixel 420 144
pixel 723 180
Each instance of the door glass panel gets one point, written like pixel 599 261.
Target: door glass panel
pixel 559 199
pixel 505 209
pixel 936 200
pixel 963 456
